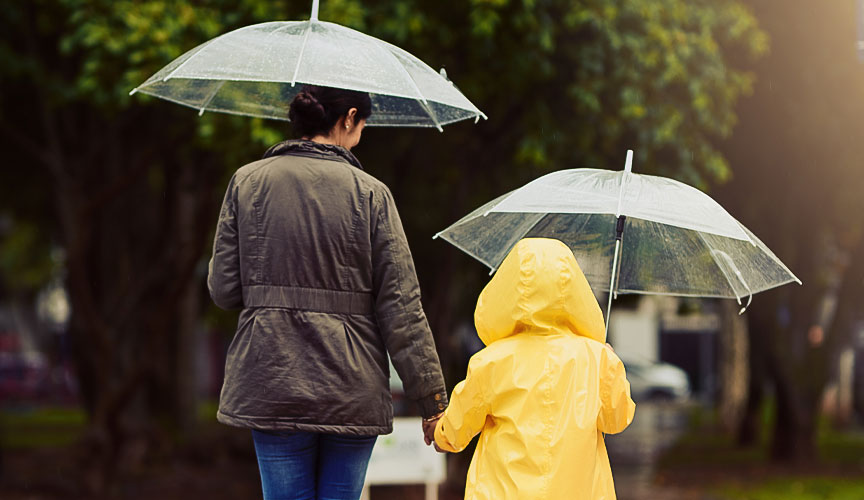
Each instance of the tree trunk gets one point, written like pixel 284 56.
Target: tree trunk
pixel 759 325
pixel 132 246
pixel 734 368
pixel 843 412
pixel 802 372
pixel 794 439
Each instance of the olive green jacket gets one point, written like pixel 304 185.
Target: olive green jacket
pixel 312 249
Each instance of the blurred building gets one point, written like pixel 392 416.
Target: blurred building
pixel 35 362
pixel 656 330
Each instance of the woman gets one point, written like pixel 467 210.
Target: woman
pixel 312 249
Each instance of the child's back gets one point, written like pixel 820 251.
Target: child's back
pixel 545 388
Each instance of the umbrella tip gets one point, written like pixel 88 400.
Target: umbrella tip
pixel 628 167
pixel 314 16
pixel 133 91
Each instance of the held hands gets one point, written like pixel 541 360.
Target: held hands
pixel 429 430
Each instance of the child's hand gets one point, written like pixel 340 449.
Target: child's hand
pixel 429 428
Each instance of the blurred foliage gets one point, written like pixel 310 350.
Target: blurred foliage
pixel 565 83
pixel 570 84
pixel 26 260
pixel 704 447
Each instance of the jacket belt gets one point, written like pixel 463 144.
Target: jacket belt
pixel 308 299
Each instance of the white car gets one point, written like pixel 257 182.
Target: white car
pixel 655 381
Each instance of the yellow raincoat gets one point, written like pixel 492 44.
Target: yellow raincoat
pixel 544 390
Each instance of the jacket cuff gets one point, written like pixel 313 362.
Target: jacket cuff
pixel 441 440
pixel 432 404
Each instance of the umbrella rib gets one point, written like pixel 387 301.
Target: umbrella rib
pixel 407 73
pixel 202 49
pixel 470 254
pixel 527 230
pixel 492 268
pixel 753 239
pixel 423 101
pixel 227 111
pixel 205 47
pixel 302 51
pixel 169 75
pixel 432 115
pixel 211 96
pixel 726 275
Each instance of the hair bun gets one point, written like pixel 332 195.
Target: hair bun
pixel 308 110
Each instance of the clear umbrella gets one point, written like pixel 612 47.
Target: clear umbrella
pixel 254 71
pixel 631 233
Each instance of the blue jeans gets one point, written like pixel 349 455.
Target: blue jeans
pixel 311 466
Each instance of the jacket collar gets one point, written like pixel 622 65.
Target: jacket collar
pixel 314 149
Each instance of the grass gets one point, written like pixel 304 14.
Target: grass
pixel 711 460
pixel 842 448
pixel 797 488
pixel 40 427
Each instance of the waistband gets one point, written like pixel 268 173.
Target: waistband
pixel 308 299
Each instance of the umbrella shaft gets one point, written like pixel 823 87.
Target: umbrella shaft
pixel 612 281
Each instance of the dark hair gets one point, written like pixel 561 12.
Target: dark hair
pixel 316 109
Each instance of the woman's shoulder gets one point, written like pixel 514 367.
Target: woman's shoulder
pixel 334 170
pixel 243 173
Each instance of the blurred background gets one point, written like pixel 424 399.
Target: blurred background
pixel 111 353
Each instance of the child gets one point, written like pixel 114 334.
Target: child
pixel 544 390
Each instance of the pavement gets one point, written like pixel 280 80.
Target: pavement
pixel 634 453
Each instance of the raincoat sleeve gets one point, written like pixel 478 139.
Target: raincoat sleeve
pixel 467 413
pixel 223 277
pixel 617 408
pixel 398 310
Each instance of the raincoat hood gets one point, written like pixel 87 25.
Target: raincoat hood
pixel 538 289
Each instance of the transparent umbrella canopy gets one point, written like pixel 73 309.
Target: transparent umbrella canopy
pixel 654 235
pixel 255 71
